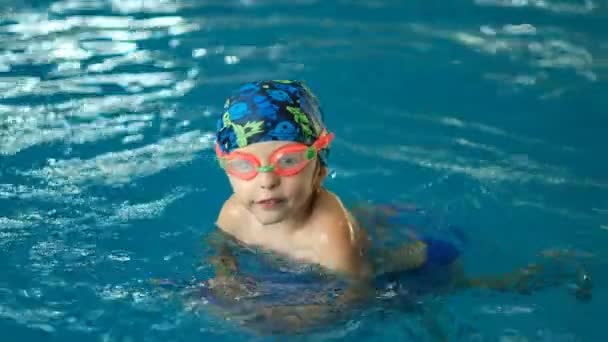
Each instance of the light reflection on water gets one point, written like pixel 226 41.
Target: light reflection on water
pixel 94 108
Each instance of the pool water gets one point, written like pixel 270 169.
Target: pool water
pixel 490 112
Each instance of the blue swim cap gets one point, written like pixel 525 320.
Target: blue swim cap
pixel 270 110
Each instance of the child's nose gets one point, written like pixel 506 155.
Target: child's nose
pixel 268 180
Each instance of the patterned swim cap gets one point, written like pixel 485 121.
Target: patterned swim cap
pixel 270 110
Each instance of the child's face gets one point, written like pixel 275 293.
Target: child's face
pixel 270 197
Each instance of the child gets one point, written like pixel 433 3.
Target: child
pixel 273 145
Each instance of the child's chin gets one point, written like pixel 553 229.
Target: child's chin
pixel 270 218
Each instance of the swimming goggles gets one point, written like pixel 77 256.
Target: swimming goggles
pixel 287 160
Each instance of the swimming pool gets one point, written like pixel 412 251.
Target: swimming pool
pixel 489 111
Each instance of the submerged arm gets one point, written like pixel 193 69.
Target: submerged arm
pixel 304 317
pixel 553 270
pixel 222 257
pixel 226 284
pixel 403 258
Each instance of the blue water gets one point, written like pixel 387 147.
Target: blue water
pixel 491 112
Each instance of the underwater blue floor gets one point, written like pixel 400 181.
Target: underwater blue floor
pixel 490 113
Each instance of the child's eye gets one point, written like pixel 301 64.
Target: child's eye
pixel 290 160
pixel 240 165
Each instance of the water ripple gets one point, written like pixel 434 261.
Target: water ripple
pixel 579 7
pixel 512 169
pixel 117 168
pixel 80 57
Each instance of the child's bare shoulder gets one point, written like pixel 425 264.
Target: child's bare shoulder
pixel 347 242
pixel 230 217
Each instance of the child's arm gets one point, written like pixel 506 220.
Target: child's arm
pixel 553 270
pixel 304 317
pixel 226 284
pixel 222 258
pixel 406 257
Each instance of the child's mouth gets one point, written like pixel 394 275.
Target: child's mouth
pixel 270 202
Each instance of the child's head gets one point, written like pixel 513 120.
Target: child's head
pixel 273 144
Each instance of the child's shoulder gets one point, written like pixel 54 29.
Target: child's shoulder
pixel 330 210
pixel 230 217
pixel 330 214
pixel 347 243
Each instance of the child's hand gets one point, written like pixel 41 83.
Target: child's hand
pixel 566 258
pixel 233 287
pixel 583 288
pixel 224 264
pixel 289 318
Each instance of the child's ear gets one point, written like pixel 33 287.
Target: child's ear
pixel 322 172
pixel 319 175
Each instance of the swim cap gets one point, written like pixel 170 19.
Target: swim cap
pixel 270 110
